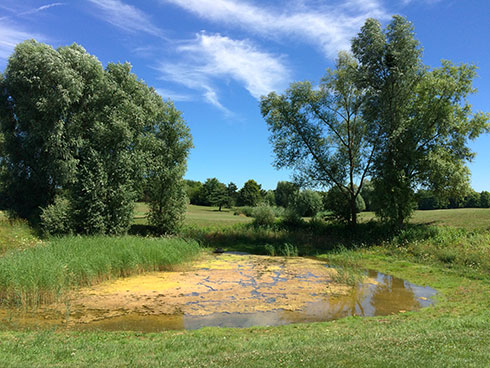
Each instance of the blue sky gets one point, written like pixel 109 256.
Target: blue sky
pixel 215 58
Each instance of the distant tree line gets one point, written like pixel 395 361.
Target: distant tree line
pixel 309 203
pixel 427 200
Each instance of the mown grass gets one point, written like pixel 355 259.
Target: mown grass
pixel 465 218
pixel 202 216
pixel 452 333
pixel 41 274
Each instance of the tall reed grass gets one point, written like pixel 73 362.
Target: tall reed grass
pixel 42 274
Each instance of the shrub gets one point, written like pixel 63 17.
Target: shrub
pixel 263 216
pixel 55 218
pixel 245 210
pixel 337 202
pixel 306 204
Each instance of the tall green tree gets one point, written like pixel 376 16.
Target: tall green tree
pixel 89 136
pixel 321 133
pixel 249 195
pixel 419 120
pixel 285 192
pixel 232 194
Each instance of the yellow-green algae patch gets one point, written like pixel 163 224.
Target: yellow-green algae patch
pixel 226 290
pixel 226 283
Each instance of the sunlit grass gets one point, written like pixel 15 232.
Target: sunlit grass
pixel 40 274
pixel 15 234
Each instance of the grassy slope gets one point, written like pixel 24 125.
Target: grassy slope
pixel 15 234
pixel 453 333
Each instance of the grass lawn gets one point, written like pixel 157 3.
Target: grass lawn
pixel 202 216
pixel 466 218
pixel 454 332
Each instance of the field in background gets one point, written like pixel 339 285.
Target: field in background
pixel 198 216
pixel 467 218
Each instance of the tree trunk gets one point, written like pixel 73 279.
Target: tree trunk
pixel 353 212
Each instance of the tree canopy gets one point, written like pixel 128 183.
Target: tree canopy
pixel 380 114
pixel 92 137
pixel 419 120
pixel 321 133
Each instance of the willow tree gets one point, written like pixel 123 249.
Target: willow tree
pixel 419 120
pixel 321 133
pixel 81 141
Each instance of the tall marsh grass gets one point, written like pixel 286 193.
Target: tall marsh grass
pixel 42 274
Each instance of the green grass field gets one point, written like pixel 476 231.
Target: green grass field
pixel 198 216
pixel 465 218
pixel 454 259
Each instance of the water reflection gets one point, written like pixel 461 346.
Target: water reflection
pixel 269 290
pixel 385 295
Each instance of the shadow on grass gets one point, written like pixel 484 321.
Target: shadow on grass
pixel 308 238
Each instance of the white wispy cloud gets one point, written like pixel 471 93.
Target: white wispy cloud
pixel 10 36
pixel 174 96
pixel 429 2
pixel 329 27
pixel 212 58
pixel 41 8
pixel 125 17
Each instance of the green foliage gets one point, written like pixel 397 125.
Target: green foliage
pixel 15 234
pixel 485 199
pixel 55 218
pixel 419 121
pixel 99 135
pixel 284 250
pixel 215 193
pixel 231 191
pixel 269 198
pixel 192 190
pixel 321 133
pixel 367 193
pixel 285 192
pixel 43 274
pixel 245 210
pixel 306 203
pixel 263 216
pixel 337 202
pixel 249 195
pixel 472 200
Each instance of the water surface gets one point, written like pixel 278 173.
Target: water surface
pixel 229 290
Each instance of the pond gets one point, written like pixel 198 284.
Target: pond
pixel 227 290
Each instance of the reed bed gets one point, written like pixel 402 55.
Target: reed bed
pixel 42 274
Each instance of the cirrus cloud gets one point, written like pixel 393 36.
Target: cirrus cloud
pixel 209 58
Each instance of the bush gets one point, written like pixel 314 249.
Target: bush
pixel 337 202
pixel 291 218
pixel 306 204
pixel 245 210
pixel 55 218
pixel 264 216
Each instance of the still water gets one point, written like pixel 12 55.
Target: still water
pixel 229 290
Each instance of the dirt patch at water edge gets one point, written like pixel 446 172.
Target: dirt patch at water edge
pixel 225 283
